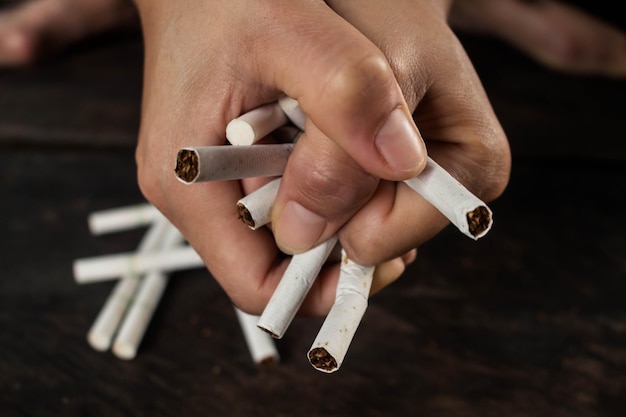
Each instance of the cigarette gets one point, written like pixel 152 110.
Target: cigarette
pixel 293 288
pixel 144 304
pixel 260 344
pixel 108 267
pixel 220 163
pixel 292 110
pixel 333 340
pixel 104 327
pixel 466 211
pixel 122 218
pixel 255 124
pixel 462 208
pixel 255 208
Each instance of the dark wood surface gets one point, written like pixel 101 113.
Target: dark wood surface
pixel 528 321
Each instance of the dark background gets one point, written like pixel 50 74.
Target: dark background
pixel 528 321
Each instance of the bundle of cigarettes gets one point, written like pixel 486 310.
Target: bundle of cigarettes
pixel 142 279
pixel 245 159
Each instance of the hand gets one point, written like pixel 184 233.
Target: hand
pixel 452 111
pixel 199 76
pixel 207 62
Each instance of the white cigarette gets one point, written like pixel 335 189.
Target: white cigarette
pixel 122 218
pixel 144 304
pixel 466 211
pixel 260 344
pixel 333 340
pixel 255 124
pixel 104 327
pixel 255 208
pixel 292 110
pixel 220 163
pixel 462 208
pixel 293 288
pixel 108 267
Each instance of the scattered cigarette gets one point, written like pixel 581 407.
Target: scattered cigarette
pixel 293 288
pixel 255 124
pixel 466 211
pixel 219 163
pixel 122 218
pixel 104 327
pixel 337 331
pixel 142 309
pixel 292 110
pixel 260 344
pixel 108 267
pixel 255 208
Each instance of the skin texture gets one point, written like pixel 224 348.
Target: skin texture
pixel 209 61
pixel 342 176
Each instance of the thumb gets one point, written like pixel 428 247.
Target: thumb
pixel 321 188
pixel 347 88
pixel 359 127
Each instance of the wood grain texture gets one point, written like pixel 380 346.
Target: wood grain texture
pixel 528 322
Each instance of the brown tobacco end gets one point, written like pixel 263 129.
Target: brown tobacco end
pixel 478 220
pixel 271 333
pixel 186 165
pixel 269 361
pixel 321 359
pixel 244 215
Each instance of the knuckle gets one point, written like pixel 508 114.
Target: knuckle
pixel 359 79
pixel 149 183
pixel 332 193
pixel 496 170
pixel 489 172
pixel 366 245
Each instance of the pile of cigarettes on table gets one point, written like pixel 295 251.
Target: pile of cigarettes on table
pixel 142 275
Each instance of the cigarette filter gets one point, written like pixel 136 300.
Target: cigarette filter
pixel 122 218
pixel 255 124
pixel 292 110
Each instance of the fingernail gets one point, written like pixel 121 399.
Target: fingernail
pixel 399 143
pixel 299 228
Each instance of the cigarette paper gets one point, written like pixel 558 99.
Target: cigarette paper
pixel 104 327
pixel 108 267
pixel 260 344
pixel 122 218
pixel 255 124
pixel 293 288
pixel 255 208
pixel 333 340
pixel 466 211
pixel 144 304
pixel 462 208
pixel 292 110
pixel 220 163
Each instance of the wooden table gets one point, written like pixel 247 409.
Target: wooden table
pixel 528 321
